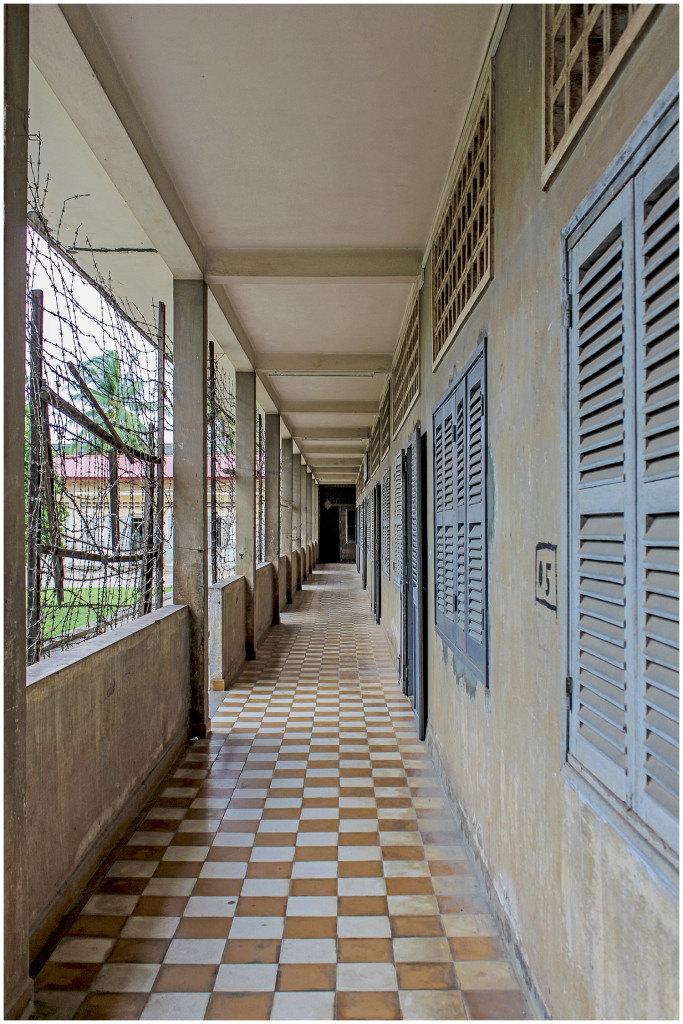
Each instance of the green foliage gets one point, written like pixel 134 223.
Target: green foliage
pixel 118 398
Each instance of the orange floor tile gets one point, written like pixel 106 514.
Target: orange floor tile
pixel 302 863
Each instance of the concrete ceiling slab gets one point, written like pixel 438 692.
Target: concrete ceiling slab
pixel 302 125
pixel 350 316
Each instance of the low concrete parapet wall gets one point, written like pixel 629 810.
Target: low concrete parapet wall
pixel 282 579
pixel 227 630
pixel 263 600
pixel 105 720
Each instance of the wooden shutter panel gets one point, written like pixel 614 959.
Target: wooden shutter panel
pixel 475 534
pixel 398 520
pixel 415 576
pixel 459 518
pixel 444 517
pixel 602 583
pixel 438 514
pixel 657 706
pixel 449 513
pixel 386 522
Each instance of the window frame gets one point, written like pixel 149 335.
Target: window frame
pixel 641 144
pixel 552 164
pixel 479 671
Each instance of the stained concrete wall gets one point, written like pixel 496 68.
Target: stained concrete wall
pixel 100 733
pixel 591 907
pixel 263 600
pixel 227 630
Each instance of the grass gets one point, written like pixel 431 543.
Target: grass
pixel 80 608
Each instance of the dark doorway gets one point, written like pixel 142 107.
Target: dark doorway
pixel 337 523
pixel 376 551
pixel 415 568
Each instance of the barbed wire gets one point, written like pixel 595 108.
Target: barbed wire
pixel 221 446
pixel 98 408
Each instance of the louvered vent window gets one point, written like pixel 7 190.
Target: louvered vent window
pixel 406 371
pixel 386 524
pixel 398 520
pixel 460 515
pixel 461 253
pixel 623 600
pixel 584 45
pixel 374 447
pixel 385 422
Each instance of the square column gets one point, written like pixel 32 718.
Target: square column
pixel 309 513
pixel 190 526
pixel 286 514
pixel 296 518
pixel 245 494
pixel 273 505
pixel 18 985
pixel 304 535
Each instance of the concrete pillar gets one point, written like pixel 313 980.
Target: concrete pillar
pixel 316 508
pixel 18 985
pixel 296 515
pixel 304 535
pixel 190 527
pixel 245 498
pixel 286 521
pixel 309 512
pixel 272 496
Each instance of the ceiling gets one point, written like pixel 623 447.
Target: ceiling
pixel 294 156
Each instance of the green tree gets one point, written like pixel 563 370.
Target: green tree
pixel 118 398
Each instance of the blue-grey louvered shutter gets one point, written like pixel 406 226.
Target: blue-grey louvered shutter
pixel 386 523
pixel 460 516
pixel 444 517
pixel 602 495
pixel 398 520
pixel 475 534
pixel 438 517
pixel 657 502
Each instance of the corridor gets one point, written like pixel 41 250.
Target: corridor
pixel 300 863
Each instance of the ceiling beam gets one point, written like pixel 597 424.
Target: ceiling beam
pixel 332 408
pixel 330 433
pixel 394 265
pixel 315 448
pixel 309 364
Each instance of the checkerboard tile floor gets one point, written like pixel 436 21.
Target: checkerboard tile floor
pixel 301 863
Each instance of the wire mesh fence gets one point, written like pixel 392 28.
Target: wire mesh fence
pixel 98 480
pixel 221 425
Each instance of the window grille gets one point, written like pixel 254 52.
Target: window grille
pixel 385 421
pixel 406 372
pixel 374 447
pixel 462 249
pixel 386 524
pixel 624 506
pixel 584 46
pixel 398 520
pixel 460 576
